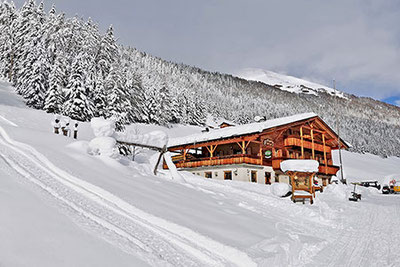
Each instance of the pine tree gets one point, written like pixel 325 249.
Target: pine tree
pixel 107 53
pixel 55 99
pixel 118 103
pixel 8 16
pixel 77 105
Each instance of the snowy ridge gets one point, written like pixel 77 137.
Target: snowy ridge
pixel 238 130
pixel 287 83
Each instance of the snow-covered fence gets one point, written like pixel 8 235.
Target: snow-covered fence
pixel 157 140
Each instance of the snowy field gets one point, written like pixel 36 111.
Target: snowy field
pixel 61 206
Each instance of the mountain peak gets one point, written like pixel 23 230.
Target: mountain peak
pixel 287 83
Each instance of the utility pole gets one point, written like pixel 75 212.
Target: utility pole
pixel 342 179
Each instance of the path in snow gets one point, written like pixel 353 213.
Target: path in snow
pixel 156 240
pixel 34 232
pixel 369 239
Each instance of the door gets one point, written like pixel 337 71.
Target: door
pixel 267 178
pixel 254 176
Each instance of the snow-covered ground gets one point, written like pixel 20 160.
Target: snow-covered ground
pixel 287 83
pixel 61 206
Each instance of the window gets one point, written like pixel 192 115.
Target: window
pixel 254 176
pixel 228 175
pixel 267 178
pixel 208 174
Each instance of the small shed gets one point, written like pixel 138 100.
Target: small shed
pixel 301 173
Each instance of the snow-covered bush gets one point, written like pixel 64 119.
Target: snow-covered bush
pixel 102 127
pixel 103 144
pixel 280 189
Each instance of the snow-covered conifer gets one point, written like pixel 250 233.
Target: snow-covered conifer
pixel 77 105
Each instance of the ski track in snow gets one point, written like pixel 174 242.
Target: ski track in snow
pixel 8 121
pixel 369 242
pixel 148 235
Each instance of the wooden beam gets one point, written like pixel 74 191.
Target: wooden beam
pixel 312 140
pixel 261 155
pixel 326 163
pixel 302 142
pixel 141 145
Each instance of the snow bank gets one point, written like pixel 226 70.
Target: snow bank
pixel 103 146
pixel 280 189
pixel 338 191
pixel 102 127
pixel 156 138
pixel 300 165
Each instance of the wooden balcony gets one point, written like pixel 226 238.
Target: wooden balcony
pixel 223 160
pixel 295 141
pixel 329 170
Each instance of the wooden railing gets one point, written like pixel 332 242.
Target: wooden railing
pixel 223 160
pixel 330 169
pixel 294 141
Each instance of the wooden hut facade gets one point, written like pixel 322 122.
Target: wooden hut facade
pixel 253 152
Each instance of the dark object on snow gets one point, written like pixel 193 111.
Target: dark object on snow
pixel 76 130
pixel 288 194
pixel 371 184
pixel 66 129
pixel 57 126
pixel 355 196
pixel 386 190
pixel 206 130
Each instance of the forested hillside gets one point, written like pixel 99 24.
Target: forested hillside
pixel 66 65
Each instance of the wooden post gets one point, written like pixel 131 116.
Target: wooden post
pixel 326 162
pixel 211 150
pixel 164 149
pixel 184 154
pixel 312 140
pixel 302 142
pixel 261 155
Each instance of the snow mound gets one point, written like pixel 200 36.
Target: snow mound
pixel 300 165
pixel 102 127
pixel 81 146
pixel 280 189
pixel 103 146
pixel 156 138
pixel 338 191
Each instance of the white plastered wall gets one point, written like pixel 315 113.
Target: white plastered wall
pixel 239 173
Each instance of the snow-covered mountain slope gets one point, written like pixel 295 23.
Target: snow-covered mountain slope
pixel 70 204
pixel 287 83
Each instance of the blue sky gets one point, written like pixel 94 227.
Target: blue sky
pixel 355 42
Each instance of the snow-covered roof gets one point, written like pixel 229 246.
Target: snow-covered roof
pixel 238 130
pixel 300 165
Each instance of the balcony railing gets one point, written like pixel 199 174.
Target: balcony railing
pixel 329 169
pixel 243 158
pixel 295 141
pixel 222 160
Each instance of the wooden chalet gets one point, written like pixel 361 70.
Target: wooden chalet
pixel 253 152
